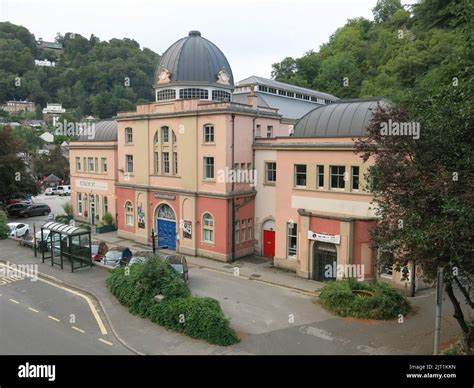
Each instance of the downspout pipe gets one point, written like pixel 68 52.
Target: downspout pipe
pixel 232 228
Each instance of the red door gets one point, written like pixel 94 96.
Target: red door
pixel 268 243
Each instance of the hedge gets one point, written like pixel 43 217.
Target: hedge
pixel 202 318
pixel 380 302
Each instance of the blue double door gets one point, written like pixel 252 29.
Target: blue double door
pixel 166 233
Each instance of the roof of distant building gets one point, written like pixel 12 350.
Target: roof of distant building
pixel 255 80
pixel 348 118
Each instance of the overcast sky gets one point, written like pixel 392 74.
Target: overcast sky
pixel 253 34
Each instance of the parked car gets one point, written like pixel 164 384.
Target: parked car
pixel 18 229
pixel 37 209
pixel 14 210
pixel 51 191
pixel 140 257
pixel 118 256
pixel 179 263
pixel 23 199
pixel 64 190
pixel 98 250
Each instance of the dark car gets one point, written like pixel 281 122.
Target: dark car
pixel 119 256
pixel 14 210
pixel 179 263
pixel 38 209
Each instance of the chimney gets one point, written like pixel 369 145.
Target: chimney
pixel 252 97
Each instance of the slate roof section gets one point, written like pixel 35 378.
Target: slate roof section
pixel 348 118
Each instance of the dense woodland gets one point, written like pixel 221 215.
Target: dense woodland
pixel 91 77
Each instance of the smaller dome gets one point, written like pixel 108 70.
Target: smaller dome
pixel 348 118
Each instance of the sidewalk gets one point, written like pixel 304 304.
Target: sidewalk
pixel 252 267
pixel 119 321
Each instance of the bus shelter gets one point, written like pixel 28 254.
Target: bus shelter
pixel 60 242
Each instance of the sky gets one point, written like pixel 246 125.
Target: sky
pixel 253 34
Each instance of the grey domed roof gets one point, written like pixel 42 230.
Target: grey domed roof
pixel 105 130
pixel 340 119
pixel 194 60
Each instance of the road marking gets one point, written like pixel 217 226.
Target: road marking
pixel 101 325
pixel 54 319
pixel 105 342
pixel 14 301
pixel 79 330
pixel 32 309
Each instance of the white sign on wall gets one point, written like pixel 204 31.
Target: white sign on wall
pixel 329 238
pixel 91 185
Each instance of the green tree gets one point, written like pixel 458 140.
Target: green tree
pixel 16 179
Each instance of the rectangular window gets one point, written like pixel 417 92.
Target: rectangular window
pixel 249 229
pixel 208 167
pixel 175 163
pixel 79 203
pixel 104 164
pixel 355 178
pixel 165 135
pixel 270 131
pixel 208 134
pixel 292 240
pixel 128 135
pixel 129 163
pixel 338 174
pixel 300 175
pixel 242 231
pixel 236 166
pixel 249 166
pixel 166 163
pixel 156 162
pixel 258 131
pixel 91 164
pixel 78 164
pixel 96 164
pixel 320 177
pixel 242 166
pixel 236 231
pixel 105 204
pixel 270 172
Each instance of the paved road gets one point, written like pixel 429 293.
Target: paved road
pixel 40 318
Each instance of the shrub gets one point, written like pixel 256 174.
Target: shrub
pixel 67 207
pixel 381 301
pixel 137 285
pixel 197 317
pixel 4 229
pixel 108 219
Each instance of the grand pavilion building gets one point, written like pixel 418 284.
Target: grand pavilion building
pixel 224 170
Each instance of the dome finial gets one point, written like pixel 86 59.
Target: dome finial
pixel 194 33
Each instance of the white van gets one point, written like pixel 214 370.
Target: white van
pixel 64 190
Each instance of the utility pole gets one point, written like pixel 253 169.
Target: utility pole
pixel 439 301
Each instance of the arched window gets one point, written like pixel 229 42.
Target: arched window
pixel 207 228
pixel 166 213
pixel 129 214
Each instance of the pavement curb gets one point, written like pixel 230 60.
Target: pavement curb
pixel 96 299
